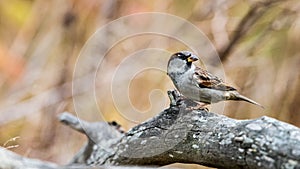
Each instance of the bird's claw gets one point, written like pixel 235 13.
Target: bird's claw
pixel 199 107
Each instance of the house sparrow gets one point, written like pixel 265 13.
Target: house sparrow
pixel 198 84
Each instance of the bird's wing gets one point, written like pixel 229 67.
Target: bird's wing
pixel 206 80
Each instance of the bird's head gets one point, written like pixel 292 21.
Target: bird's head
pixel 181 62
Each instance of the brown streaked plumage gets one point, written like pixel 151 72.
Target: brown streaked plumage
pixel 207 80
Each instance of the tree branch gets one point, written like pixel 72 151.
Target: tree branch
pixel 180 134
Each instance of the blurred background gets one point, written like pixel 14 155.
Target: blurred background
pixel 40 42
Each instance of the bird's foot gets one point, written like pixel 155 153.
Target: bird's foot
pixel 200 106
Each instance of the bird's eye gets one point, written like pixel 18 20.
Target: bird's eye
pixel 181 56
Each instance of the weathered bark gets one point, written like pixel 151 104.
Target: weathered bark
pixel 180 134
pixel 10 160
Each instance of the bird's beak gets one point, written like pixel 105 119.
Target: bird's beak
pixel 192 58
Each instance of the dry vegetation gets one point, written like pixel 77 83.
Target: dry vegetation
pixel 41 40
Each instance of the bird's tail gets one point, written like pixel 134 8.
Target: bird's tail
pixel 244 98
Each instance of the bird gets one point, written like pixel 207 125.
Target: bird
pixel 198 84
